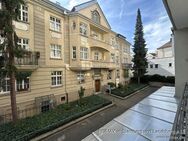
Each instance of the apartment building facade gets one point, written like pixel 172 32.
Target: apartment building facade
pixel 162 62
pixel 66 50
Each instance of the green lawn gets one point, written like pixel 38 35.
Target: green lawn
pixel 29 128
pixel 125 91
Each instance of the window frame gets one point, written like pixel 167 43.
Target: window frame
pixel 58 77
pixel 81 77
pixel 95 16
pixel 55 24
pixel 24 13
pixel 23 43
pixel 96 56
pixel 151 66
pixel 156 66
pixel 83 29
pixel 55 51
pixel 74 52
pixel 84 53
pixel 25 86
pixel 113 57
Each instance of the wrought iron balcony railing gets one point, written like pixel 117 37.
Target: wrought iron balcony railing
pixel 180 127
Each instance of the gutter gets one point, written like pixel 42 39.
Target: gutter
pixel 165 2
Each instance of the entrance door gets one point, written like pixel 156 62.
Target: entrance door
pixel 97 85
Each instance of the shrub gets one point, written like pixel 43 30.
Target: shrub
pixel 156 78
pixel 120 86
pixel 81 93
pixel 112 85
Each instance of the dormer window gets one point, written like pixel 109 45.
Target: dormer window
pixel 96 16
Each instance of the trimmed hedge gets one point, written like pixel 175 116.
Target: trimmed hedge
pixel 125 91
pixel 29 128
pixel 155 78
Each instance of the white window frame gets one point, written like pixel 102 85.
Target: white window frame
pixel 84 53
pixel 55 24
pixel 56 78
pixel 83 29
pixel 55 51
pixel 23 86
pixel 23 43
pixel 23 13
pixel 74 55
pixel 6 86
pixel 81 77
pixel 0 5
pixel 96 56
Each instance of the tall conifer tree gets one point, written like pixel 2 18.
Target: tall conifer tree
pixel 139 58
pixel 9 48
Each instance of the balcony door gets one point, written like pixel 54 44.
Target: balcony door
pixel 97 85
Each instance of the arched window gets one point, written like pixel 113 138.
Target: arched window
pixel 96 16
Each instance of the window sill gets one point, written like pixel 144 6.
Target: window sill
pixel 55 58
pixel 58 86
pixel 55 31
pixel 84 35
pixel 22 22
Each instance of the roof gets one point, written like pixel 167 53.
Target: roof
pixel 166 45
pixel 121 36
pixel 83 5
pixel 87 4
pixel 58 6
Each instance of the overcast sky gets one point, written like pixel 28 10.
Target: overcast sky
pixel 121 14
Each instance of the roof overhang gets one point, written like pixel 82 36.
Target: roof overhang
pixel 178 13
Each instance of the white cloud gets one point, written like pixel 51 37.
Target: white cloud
pixel 157 32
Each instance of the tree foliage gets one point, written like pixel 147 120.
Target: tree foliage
pixel 139 58
pixel 9 48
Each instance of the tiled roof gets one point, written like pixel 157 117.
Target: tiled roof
pixel 167 45
pixel 56 5
pixel 83 5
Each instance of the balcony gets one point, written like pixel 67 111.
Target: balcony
pixel 103 64
pixel 99 43
pixel 28 62
pixel 126 65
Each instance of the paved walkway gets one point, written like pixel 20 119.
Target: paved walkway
pixel 82 129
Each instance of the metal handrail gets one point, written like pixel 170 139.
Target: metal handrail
pixel 180 127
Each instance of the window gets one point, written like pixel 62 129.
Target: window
pixel 55 24
pixel 151 66
pixel 23 13
pixel 83 29
pixel 170 64
pixel 0 5
pixel 83 53
pixel 117 74
pixel 96 16
pixel 109 75
pixel 81 77
pixel 156 66
pixel 126 73
pixel 5 85
pixel 97 72
pixel 22 85
pixel 23 43
pixel 56 78
pixel 63 98
pixel 55 51
pixel 96 56
pixel 45 106
pixel 113 57
pixel 73 52
pixel 117 59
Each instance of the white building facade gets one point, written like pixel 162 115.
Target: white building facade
pixel 162 62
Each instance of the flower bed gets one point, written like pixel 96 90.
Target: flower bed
pixel 126 91
pixel 29 128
